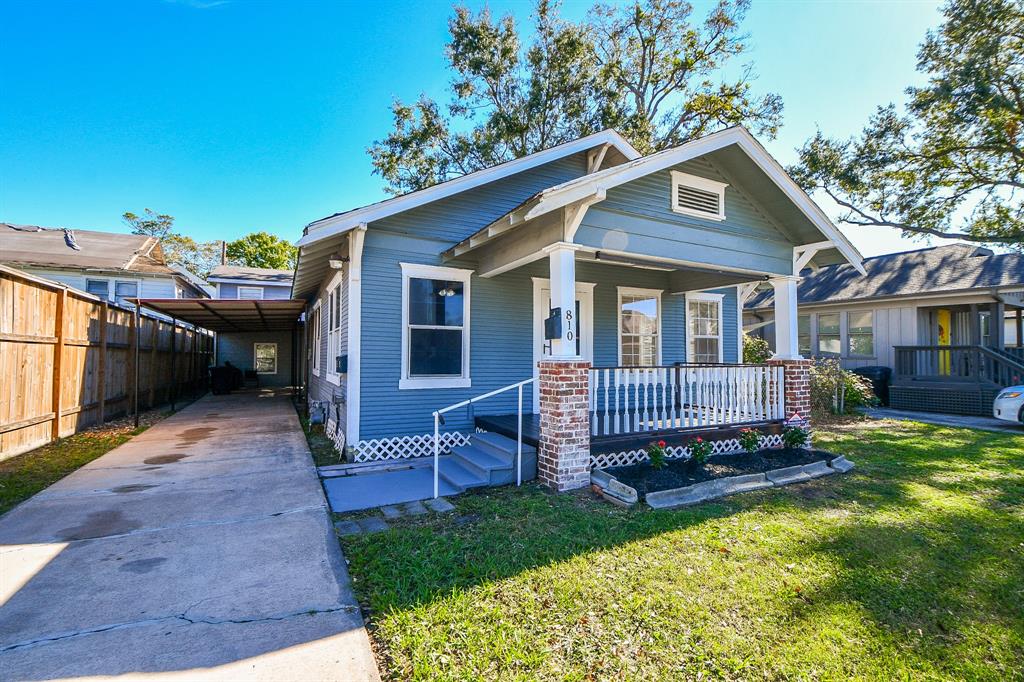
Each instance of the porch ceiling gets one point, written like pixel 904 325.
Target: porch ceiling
pixel 229 315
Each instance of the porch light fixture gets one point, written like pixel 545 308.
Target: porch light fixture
pixel 337 263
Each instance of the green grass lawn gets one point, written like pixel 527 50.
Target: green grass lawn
pixel 909 567
pixel 23 476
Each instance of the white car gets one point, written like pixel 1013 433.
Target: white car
pixel 1009 404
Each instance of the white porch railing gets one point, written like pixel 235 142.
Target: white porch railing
pixel 439 419
pixel 635 399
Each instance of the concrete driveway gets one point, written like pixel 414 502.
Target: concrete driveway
pixel 958 420
pixel 199 549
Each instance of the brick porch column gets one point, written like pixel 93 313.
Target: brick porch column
pixel 563 456
pixel 798 386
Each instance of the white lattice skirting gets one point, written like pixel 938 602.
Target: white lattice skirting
pixel 719 447
pixel 404 447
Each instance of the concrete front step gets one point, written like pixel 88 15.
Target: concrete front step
pixel 500 445
pixel 452 470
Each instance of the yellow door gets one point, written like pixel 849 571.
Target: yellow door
pixel 943 317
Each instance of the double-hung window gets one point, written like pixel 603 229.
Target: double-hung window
pixel 98 287
pixel 435 327
pixel 639 327
pixel 829 340
pixel 860 332
pixel 334 329
pixel 315 337
pixel 704 328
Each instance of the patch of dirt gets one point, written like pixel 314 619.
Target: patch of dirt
pixel 679 473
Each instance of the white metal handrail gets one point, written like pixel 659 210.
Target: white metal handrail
pixel 519 428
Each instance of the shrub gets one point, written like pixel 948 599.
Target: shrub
pixel 835 390
pixel 750 440
pixel 656 451
pixel 700 450
pixel 795 436
pixel 756 351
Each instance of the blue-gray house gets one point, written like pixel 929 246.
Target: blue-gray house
pixel 586 257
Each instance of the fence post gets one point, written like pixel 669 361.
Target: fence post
pixel 135 364
pixel 153 345
pixel 173 388
pixel 101 379
pixel 58 360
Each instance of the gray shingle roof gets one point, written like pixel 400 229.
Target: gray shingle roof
pixel 265 275
pixel 926 271
pixel 33 245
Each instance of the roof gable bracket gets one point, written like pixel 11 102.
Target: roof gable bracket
pixel 803 254
pixel 595 157
pixel 574 214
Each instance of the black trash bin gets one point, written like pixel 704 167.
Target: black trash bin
pixel 879 378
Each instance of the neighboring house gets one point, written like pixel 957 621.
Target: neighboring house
pixel 111 265
pixel 235 281
pixel 641 264
pixel 267 353
pixel 945 319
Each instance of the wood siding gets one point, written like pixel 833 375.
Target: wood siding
pixel 66 361
pixel 270 291
pixel 637 217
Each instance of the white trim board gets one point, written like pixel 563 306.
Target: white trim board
pixel 332 225
pixel 585 294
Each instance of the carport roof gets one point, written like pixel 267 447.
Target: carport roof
pixel 230 315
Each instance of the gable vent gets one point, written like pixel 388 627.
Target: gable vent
pixel 697 196
pixel 697 200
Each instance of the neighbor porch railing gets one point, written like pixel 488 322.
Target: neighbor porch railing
pixel 439 419
pixel 636 399
pixel 957 363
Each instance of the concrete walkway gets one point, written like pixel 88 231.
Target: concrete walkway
pixel 983 423
pixel 201 549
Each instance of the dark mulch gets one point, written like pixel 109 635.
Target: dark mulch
pixel 679 473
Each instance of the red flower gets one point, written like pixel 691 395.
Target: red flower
pixel 699 439
pixel 661 443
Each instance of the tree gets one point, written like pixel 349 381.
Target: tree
pixel 951 164
pixel 178 249
pixel 262 250
pixel 644 68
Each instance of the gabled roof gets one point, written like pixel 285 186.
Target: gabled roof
pixel 255 275
pixel 936 270
pixel 595 185
pixel 34 245
pixel 343 222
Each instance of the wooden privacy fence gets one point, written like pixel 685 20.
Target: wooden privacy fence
pixel 68 360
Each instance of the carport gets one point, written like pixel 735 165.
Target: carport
pixel 251 334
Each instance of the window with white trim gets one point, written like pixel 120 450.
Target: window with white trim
pixel 334 329
pixel 315 338
pixel 435 327
pixel 704 328
pixel 265 358
pixel 250 293
pixel 639 327
pixel 829 340
pixel 697 196
pixel 860 334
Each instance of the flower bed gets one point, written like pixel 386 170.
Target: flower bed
pixel 688 481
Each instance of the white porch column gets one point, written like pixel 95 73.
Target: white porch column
pixel 786 331
pixel 562 263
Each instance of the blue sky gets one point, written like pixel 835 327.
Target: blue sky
pixel 243 116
